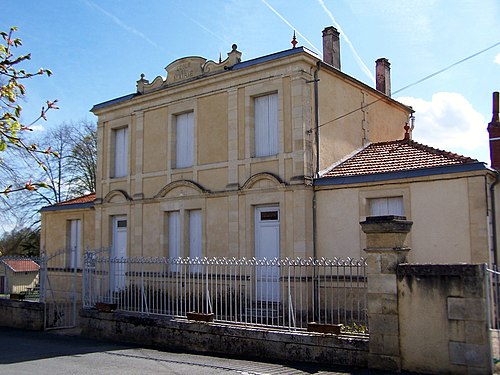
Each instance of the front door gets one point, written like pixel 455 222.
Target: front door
pixel 118 263
pixel 267 246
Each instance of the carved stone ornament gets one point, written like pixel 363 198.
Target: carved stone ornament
pixel 188 68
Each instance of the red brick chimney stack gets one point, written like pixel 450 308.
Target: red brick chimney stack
pixel 383 73
pixel 494 131
pixel 331 46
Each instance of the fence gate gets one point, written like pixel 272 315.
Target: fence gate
pixel 59 289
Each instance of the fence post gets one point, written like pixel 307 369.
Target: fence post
pixel 385 249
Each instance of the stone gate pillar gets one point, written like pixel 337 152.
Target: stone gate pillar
pixel 385 249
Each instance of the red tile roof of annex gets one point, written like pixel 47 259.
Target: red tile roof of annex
pixel 395 156
pixel 21 265
pixel 83 199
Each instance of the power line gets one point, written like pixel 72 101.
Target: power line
pixel 414 83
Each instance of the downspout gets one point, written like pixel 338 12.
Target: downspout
pixel 316 175
pixel 493 218
pixel 316 172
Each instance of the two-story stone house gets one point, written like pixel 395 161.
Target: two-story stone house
pixel 247 158
pixel 218 158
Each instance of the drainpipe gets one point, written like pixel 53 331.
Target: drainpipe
pixel 494 219
pixel 316 175
pixel 316 172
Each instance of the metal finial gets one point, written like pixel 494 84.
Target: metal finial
pixel 294 40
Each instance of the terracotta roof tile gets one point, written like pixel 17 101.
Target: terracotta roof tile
pixel 83 199
pixel 395 156
pixel 21 265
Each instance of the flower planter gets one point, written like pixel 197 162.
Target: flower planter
pixel 17 296
pixel 200 317
pixel 324 328
pixel 105 307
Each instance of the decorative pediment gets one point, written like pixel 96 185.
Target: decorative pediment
pixel 184 69
pixel 117 196
pixel 183 188
pixel 262 181
pixel 188 68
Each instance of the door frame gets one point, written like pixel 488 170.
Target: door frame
pixel 118 264
pixel 267 278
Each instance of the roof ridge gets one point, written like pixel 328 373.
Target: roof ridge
pixel 69 201
pixel 438 151
pixel 392 156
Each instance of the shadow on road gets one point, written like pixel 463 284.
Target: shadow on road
pixel 21 346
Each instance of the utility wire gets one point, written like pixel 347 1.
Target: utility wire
pixel 414 83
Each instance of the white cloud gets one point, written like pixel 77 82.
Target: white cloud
pixel 497 59
pixel 448 122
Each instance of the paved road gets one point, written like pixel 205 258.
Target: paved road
pixel 52 353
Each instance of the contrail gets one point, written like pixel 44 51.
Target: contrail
pixel 120 23
pixel 205 28
pixel 290 25
pixel 358 59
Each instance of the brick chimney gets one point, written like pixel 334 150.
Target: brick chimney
pixel 331 46
pixel 383 73
pixel 494 131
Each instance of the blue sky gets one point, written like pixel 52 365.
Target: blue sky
pixel 98 49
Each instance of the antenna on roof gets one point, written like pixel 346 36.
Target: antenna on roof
pixel 294 40
pixel 220 57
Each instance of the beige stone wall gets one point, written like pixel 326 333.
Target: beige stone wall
pixel 229 181
pixel 228 222
pixel 17 282
pixel 371 118
pixel 443 319
pixel 449 216
pixel 54 229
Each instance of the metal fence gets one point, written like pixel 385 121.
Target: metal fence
pixel 60 286
pixel 20 277
pixel 494 296
pixel 286 293
pixel 51 279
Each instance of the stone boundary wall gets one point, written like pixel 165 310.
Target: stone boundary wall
pixel 215 338
pixel 443 318
pixel 22 314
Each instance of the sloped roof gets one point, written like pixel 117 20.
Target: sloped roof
pixel 397 159
pixel 84 201
pixel 395 156
pixel 21 265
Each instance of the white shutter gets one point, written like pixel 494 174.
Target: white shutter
pixel 174 239
pixel 74 243
pixel 184 140
pixel 266 125
pixel 273 124
pixel 174 235
pixel 195 238
pixel 387 206
pixel 121 152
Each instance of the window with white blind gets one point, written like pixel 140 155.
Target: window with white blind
pixel 266 125
pixel 386 206
pixel 121 152
pixel 195 238
pixel 185 236
pixel 184 143
pixel 74 246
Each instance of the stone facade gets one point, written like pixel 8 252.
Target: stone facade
pixel 248 342
pixel 227 182
pixel 444 319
